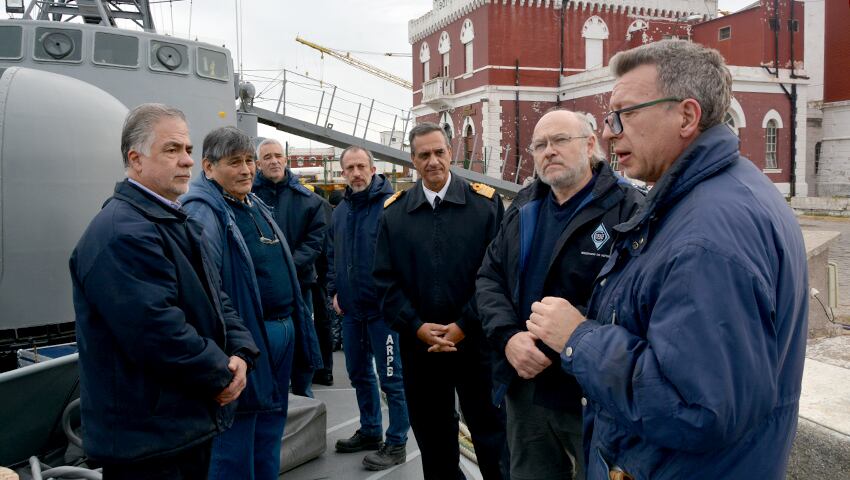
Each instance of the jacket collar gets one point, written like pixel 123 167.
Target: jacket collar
pixel 455 194
pixel 289 180
pixel 714 150
pixel 146 203
pixel 211 193
pixel 378 188
pixel 606 179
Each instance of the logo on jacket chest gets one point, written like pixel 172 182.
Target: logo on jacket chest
pixel 600 236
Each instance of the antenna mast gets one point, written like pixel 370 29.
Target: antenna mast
pixel 98 12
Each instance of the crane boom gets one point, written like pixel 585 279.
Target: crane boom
pixel 355 62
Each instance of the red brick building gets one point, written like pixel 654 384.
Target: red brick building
pixel 833 158
pixel 488 69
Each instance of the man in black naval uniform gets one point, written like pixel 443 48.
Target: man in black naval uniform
pixel 430 244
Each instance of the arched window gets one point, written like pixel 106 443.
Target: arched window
pixel 443 47
pixel 467 34
pixel 730 122
pixel 770 145
pixel 468 133
pixel 594 32
pixel 613 160
pixel 424 59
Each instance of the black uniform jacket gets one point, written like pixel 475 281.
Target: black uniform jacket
pixel 580 253
pixel 426 258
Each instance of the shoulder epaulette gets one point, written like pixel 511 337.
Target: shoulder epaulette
pixel 393 198
pixel 484 190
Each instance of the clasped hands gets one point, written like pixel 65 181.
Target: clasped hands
pixel 553 320
pixel 240 371
pixel 440 338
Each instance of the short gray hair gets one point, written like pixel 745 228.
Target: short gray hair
pixel 269 141
pixel 585 128
pixel 685 70
pixel 137 133
pixel 424 129
pixel 356 148
pixel 225 142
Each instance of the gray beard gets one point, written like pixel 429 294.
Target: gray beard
pixel 567 179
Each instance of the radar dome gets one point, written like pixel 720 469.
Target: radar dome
pixel 59 160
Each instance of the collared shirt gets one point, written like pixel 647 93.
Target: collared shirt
pixel 173 204
pixel 430 195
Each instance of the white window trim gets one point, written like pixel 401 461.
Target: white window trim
pixel 772 115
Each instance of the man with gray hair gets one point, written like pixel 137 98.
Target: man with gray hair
pixel 690 354
pixel 163 355
pixel 299 214
pixel 555 238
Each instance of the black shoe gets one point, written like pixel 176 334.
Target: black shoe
pixel 386 457
pixel 323 377
pixel 358 442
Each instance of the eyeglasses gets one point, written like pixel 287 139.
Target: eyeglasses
pixel 557 141
pixel 615 124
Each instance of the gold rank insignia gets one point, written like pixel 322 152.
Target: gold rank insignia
pixel 393 198
pixel 482 189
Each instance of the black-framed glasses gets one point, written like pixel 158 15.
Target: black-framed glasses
pixel 557 141
pixel 615 124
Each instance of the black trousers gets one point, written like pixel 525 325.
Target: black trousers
pixel 430 383
pixel 190 464
pixel 322 322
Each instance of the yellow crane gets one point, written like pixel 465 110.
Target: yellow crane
pixel 355 62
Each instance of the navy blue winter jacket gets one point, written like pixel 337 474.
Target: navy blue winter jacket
pixel 351 254
pixel 580 253
pixel 154 331
pixel 298 212
pixel 266 390
pixel 692 356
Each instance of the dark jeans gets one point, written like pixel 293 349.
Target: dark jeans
pixel 301 380
pixel 431 381
pixel 250 449
pixel 189 464
pixel 364 341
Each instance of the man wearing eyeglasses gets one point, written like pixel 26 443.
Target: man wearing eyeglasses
pixel 556 236
pixel 690 354
pixel 258 274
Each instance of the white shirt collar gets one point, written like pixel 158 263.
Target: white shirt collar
pixel 174 205
pixel 430 195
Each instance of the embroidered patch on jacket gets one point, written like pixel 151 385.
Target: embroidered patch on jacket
pixel 600 236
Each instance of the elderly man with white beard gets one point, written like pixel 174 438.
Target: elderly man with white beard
pixel 555 238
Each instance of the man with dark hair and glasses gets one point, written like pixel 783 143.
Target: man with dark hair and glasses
pixel 555 238
pixel 258 274
pixel 690 353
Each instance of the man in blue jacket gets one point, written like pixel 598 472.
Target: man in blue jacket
pixel 298 213
pixel 555 238
pixel 258 275
pixel 366 335
pixel 691 353
pixel 163 355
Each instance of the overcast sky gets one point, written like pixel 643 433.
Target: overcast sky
pixel 269 28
